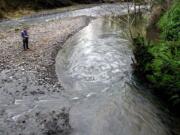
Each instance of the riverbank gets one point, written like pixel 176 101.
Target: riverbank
pixel 14 9
pixel 32 73
pixel 42 12
pixel 158 59
pixel 33 101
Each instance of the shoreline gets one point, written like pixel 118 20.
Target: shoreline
pixel 30 12
pixel 31 73
pixel 44 45
pixel 44 12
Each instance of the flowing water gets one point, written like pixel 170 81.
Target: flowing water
pixel 95 68
pixel 94 11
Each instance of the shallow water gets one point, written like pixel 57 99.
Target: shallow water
pixel 95 11
pixel 95 69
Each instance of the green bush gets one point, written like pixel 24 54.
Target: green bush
pixel 159 62
pixel 165 65
pixel 170 23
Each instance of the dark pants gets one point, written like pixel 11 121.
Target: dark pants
pixel 25 43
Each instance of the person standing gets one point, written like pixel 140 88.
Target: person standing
pixel 25 38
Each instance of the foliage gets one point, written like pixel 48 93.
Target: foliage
pixel 15 4
pixel 6 4
pixel 159 61
pixel 170 23
pixel 165 64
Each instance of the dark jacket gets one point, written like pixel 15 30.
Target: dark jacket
pixel 24 34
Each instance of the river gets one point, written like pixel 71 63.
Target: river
pixel 93 11
pixel 94 67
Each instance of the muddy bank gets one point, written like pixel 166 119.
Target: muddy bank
pixel 30 74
